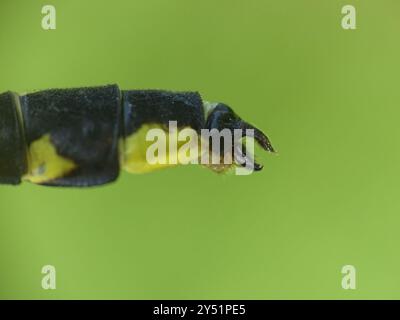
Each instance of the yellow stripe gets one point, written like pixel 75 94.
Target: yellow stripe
pixel 135 146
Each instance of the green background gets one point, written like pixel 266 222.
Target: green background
pixel 328 98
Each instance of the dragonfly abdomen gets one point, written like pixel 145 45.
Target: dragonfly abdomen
pixel 84 136
pixel 79 137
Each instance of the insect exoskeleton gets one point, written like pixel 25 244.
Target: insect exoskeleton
pixel 83 136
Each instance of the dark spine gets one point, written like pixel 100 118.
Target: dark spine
pixel 13 153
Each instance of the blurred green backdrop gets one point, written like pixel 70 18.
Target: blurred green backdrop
pixel 328 98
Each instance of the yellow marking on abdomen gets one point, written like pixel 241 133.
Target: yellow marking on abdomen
pixel 44 163
pixel 135 146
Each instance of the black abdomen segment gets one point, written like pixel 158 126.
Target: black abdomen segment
pixel 84 127
pixel 160 107
pixel 83 124
pixel 13 157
